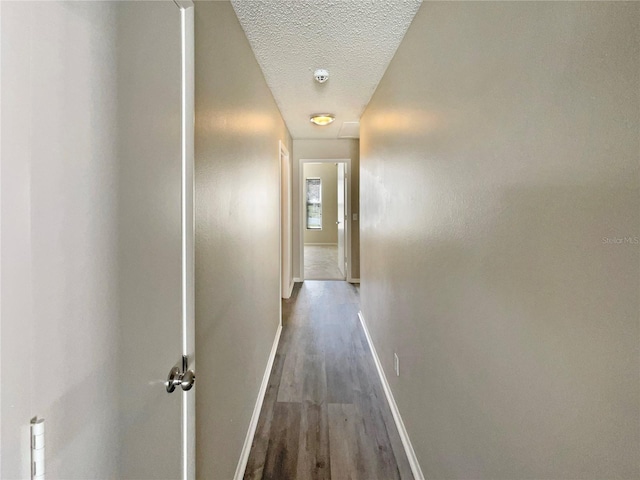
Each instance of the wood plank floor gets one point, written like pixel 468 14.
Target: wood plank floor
pixel 325 415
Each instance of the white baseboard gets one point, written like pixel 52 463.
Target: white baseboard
pixel 404 436
pixel 297 280
pixel 321 244
pixel 253 424
pixel 354 280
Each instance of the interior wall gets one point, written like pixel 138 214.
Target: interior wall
pixel 323 149
pixel 328 174
pixel 59 236
pixel 238 126
pixel 500 226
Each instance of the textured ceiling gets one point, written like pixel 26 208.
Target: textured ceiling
pixel 353 39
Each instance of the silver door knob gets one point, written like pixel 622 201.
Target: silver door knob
pixel 182 378
pixel 188 379
pixel 174 379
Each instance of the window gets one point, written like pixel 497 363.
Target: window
pixel 314 204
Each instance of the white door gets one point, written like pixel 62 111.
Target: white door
pixel 341 218
pixel 156 221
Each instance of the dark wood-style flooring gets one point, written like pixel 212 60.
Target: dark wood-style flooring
pixel 325 415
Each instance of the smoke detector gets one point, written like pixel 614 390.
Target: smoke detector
pixel 321 75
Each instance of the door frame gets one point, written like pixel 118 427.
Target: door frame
pixel 342 167
pixel 187 68
pixel 286 223
pixel 302 209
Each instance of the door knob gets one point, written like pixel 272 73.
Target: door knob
pixel 181 378
pixel 174 379
pixel 188 379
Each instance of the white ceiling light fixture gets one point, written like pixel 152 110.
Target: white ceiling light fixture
pixel 322 119
pixel 321 75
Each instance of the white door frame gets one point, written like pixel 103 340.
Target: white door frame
pixel 342 219
pixel 188 443
pixel 347 223
pixel 286 223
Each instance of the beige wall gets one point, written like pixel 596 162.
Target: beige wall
pixel 322 149
pixel 238 126
pixel 328 173
pixel 499 156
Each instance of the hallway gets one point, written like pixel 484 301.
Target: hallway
pixel 325 414
pixel 154 215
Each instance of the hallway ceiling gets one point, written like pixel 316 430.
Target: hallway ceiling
pixel 353 39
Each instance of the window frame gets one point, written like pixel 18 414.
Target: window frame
pixel 307 203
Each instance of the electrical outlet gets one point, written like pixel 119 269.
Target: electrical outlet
pixel 396 364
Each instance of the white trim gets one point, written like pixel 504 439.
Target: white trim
pixel 404 436
pixel 297 280
pixel 188 403
pixel 347 224
pixel 354 280
pixel 1 270
pixel 281 257
pixel 286 222
pixel 306 223
pixel 288 295
pixel 253 424
pixel 321 244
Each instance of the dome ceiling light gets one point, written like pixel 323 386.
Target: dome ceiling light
pixel 322 119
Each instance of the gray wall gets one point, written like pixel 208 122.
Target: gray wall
pixel 499 165
pixel 321 149
pixel 328 173
pixel 60 236
pixel 238 126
